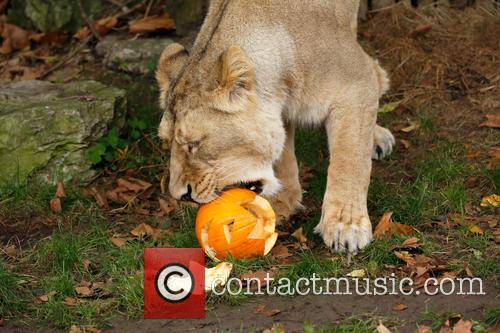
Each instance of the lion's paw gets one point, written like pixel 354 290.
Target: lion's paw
pixel 383 143
pixel 343 230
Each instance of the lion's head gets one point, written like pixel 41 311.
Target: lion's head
pixel 217 127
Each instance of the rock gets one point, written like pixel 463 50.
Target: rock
pixel 188 14
pixel 138 56
pixel 46 128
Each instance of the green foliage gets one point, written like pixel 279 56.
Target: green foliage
pixel 10 292
pixel 114 146
pixel 52 15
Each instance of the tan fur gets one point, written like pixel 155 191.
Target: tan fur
pixel 257 70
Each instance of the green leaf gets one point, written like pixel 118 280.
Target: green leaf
pixel 135 134
pixel 137 124
pixel 109 156
pixel 49 15
pixel 113 137
pixel 389 107
pixel 95 153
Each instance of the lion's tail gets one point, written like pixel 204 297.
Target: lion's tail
pixel 382 78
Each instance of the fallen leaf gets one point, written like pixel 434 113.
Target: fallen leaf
pixel 151 24
pixel 492 120
pixel 389 107
pixel 120 242
pixel 400 307
pixel 357 273
pixel 104 25
pixel 167 207
pixel 252 278
pixel 299 235
pixel 55 205
pixel 494 162
pixel 82 33
pixel 386 227
pixel 280 251
pixel 423 329
pixel 10 250
pixel 133 184
pixel 471 182
pixel 267 312
pixel 405 143
pixel 53 38
pixel 83 291
pixel 60 192
pixel 14 38
pixel 491 201
pixel 412 242
pixel 2 322
pixel 3 6
pixel 70 301
pixel 86 263
pixel 475 229
pixel 420 29
pixel 463 326
pixel 413 126
pixel 144 229
pixel 406 257
pixel 382 329
pixel 46 297
pixel 99 197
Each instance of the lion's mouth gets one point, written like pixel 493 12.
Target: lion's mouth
pixel 255 186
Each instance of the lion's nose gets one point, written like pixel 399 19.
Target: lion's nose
pixel 187 196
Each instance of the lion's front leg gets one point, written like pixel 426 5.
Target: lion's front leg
pixel 345 224
pixel 288 199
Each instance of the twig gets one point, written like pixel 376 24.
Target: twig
pixel 59 64
pixel 148 9
pixel 86 19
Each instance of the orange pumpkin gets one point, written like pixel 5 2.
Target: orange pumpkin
pixel 238 223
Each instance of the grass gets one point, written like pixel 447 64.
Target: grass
pixel 308 264
pixel 11 293
pixel 350 325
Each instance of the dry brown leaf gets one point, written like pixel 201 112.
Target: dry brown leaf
pixel 280 251
pixel 82 33
pixel 494 162
pixel 133 184
pixel 386 227
pixel 46 297
pixel 382 329
pixel 420 29
pixel 252 277
pixel 400 307
pixel 406 257
pixel 491 201
pixel 151 24
pixel 99 197
pixel 492 120
pixel 167 207
pixel 10 250
pixel 54 38
pixel 120 242
pixel 266 312
pixel 144 229
pixel 83 291
pixel 70 301
pixel 104 25
pixel 423 329
pixel 463 326
pixel 60 192
pixel 475 229
pixel 3 5
pixel 299 235
pixel 14 38
pixel 55 205
pixel 86 263
pixel 405 143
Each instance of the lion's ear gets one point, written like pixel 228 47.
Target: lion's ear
pixel 236 82
pixel 170 64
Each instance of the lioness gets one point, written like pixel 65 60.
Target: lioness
pixel 257 70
